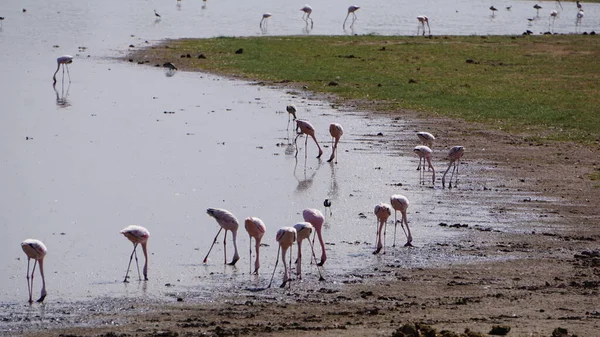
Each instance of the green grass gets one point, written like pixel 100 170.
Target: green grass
pixel 545 86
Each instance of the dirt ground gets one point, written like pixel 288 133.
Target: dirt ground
pixel 555 282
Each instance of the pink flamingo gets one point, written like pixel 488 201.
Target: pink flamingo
pixel 306 129
pixel 304 230
pixel 316 219
pixel 137 235
pixel 426 138
pixel 256 229
pixel 291 109
pixel 382 212
pixel 63 60
pixel 227 221
pixel 336 131
pixel 264 18
pixel 286 236
pixel 422 21
pixel 400 203
pixel 306 15
pixel 351 10
pixel 454 155
pixel 424 154
pixel 36 250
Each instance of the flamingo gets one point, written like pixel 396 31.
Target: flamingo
pixel 424 154
pixel 137 235
pixel 265 17
pixel 579 17
pixel 426 138
pixel 306 15
pixel 537 8
pixel 36 250
pixel 304 230
pixel 400 203
pixel 286 236
pixel 291 109
pixel 422 21
pixel 553 15
pixel 493 9
pixel 256 229
pixel 228 222
pixel 382 212
pixel 351 10
pixel 316 219
pixel 63 60
pixel 307 129
pixel 336 131
pixel 455 154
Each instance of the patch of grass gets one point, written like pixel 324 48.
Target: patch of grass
pixel 545 86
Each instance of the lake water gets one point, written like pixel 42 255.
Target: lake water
pixel 81 161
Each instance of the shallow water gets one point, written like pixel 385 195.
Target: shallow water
pixel 83 160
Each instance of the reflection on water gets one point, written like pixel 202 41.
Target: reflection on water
pixel 61 98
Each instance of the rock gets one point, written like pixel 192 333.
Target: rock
pixel 239 51
pixel 500 330
pixel 560 332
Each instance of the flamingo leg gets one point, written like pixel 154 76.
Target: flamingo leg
pixel 29 282
pixel 68 73
pixel 432 170
pixel 43 292
pixel 378 240
pixel 129 265
pixel 299 261
pixel 306 147
pixel 257 262
pixel 323 253
pixel 296 144
pixel 225 248
pixel 285 266
pixel 344 25
pixel 444 176
pixel 318 146
pixel 32 273
pixel 312 247
pixel 136 262
pixel 409 235
pixel 250 255
pixel 274 269
pixel 395 227
pixel 211 246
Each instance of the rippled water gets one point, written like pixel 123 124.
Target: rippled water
pixel 81 161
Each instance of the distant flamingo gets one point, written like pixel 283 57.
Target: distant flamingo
pixel 316 218
pixel 306 15
pixel 553 15
pixel 424 154
pixel 36 250
pixel 291 109
pixel 137 235
pixel 537 8
pixel 256 229
pixel 304 230
pixel 63 60
pixel 228 222
pixel 400 203
pixel 286 236
pixel 493 9
pixel 382 212
pixel 579 17
pixel 426 138
pixel 422 21
pixel 306 129
pixel 351 10
pixel 454 155
pixel 264 18
pixel 336 131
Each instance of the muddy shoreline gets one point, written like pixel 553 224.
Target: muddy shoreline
pixel 532 280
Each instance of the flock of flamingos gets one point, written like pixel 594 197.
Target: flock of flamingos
pixel 286 236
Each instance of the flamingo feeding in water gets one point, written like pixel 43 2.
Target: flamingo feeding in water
pixel 291 109
pixel 553 15
pixel 286 236
pixel 336 131
pixel 455 154
pixel 307 11
pixel 256 229
pixel 138 235
pixel 400 203
pixel 382 212
pixel 306 129
pixel 36 250
pixel 422 21
pixel 264 18
pixel 426 138
pixel 303 231
pixel 63 60
pixel 493 9
pixel 316 219
pixel 424 154
pixel 228 222
pixel 351 10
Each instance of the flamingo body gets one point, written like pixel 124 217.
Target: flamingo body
pixel 63 60
pixel 265 16
pixel 137 235
pixel 316 219
pixel 382 211
pixel 307 11
pixel 305 128
pixel 36 250
pixel 286 236
pixel 422 21
pixel 454 155
pixel 336 131
pixel 424 154
pixel 351 10
pixel 228 222
pixel 400 203
pixel 256 229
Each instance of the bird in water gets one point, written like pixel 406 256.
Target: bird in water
pixel 36 250
pixel 306 129
pixel 63 61
pixel 454 155
pixel 426 138
pixel 424 154
pixel 400 203
pixel 264 19
pixel 286 236
pixel 307 11
pixel 336 131
pixel 228 222
pixel 422 21
pixel 382 211
pixel 138 235
pixel 303 231
pixel 170 65
pixel 291 109
pixel 316 219
pixel 256 229
pixel 351 10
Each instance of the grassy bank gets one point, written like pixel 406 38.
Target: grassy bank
pixel 548 86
